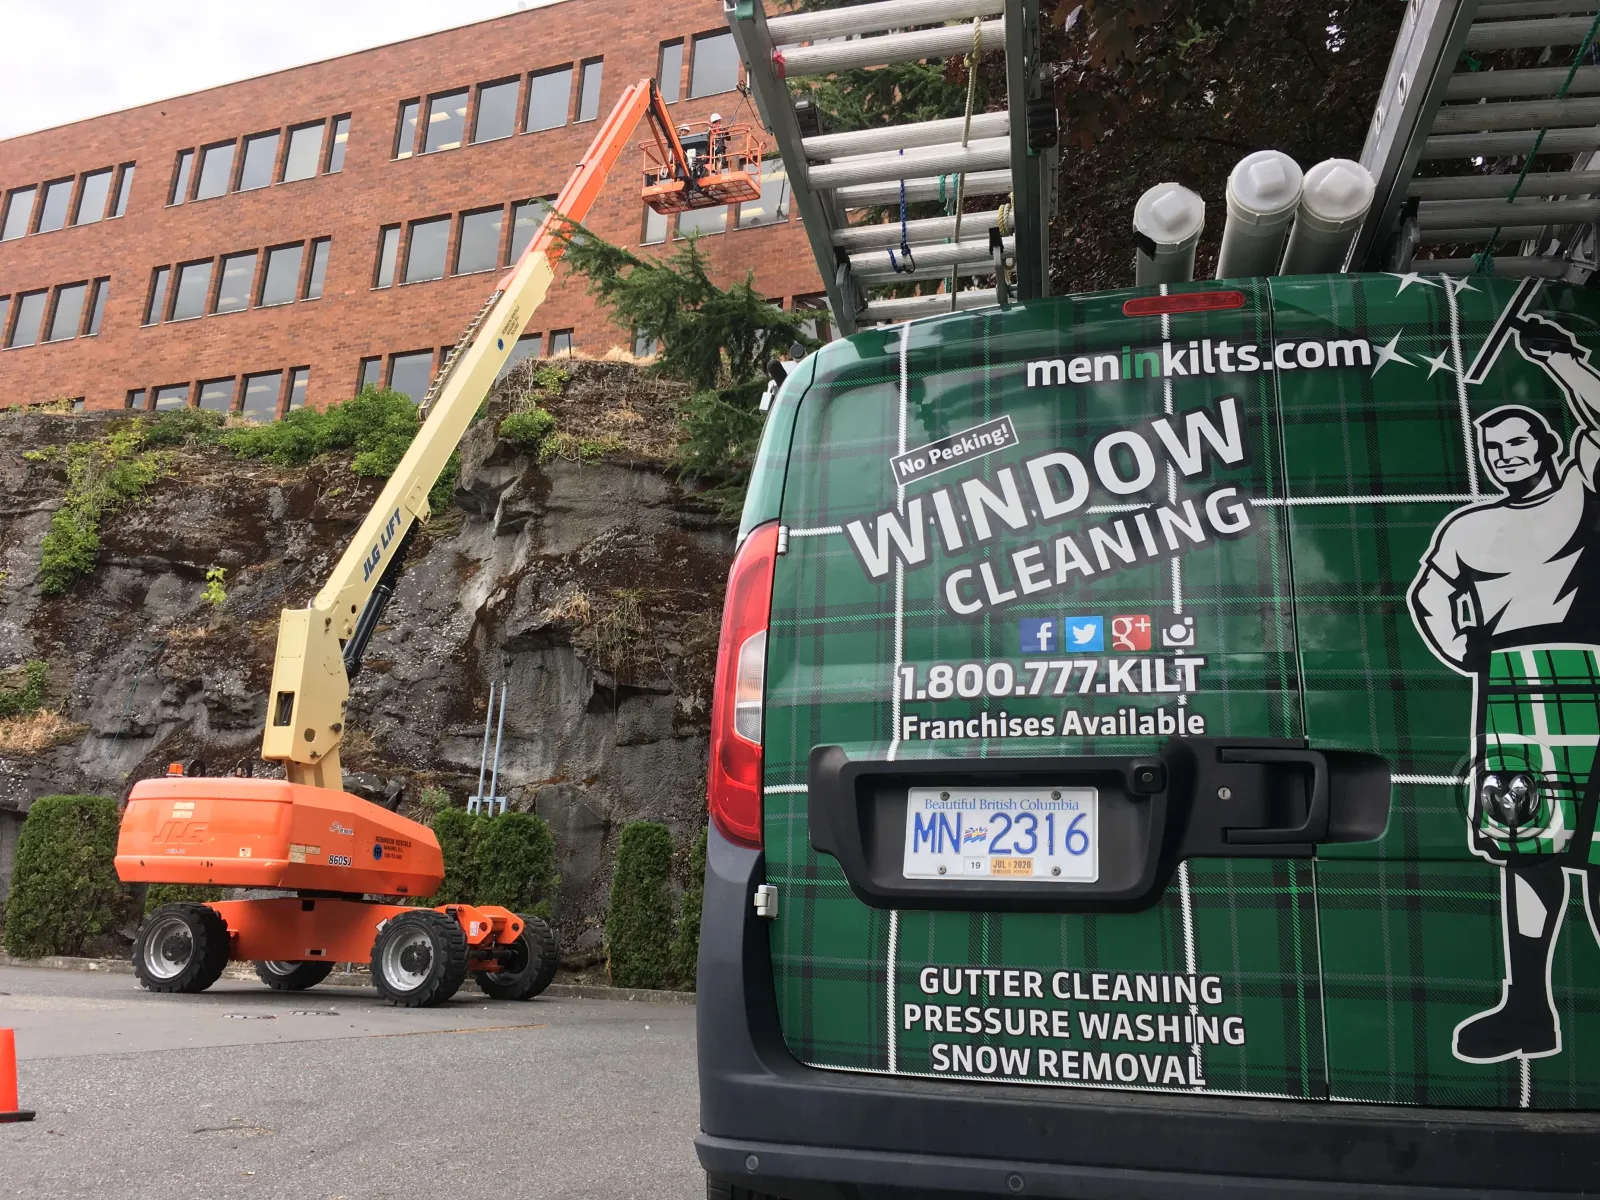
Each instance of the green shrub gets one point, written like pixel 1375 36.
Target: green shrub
pixel 64 887
pixel 28 696
pixel 158 894
pixel 516 864
pixel 686 941
pixel 528 429
pixel 459 833
pixel 639 922
pixel 103 475
pixel 182 427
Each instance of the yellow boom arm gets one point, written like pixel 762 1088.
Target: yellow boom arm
pixel 320 646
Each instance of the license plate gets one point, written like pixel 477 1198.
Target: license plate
pixel 1047 834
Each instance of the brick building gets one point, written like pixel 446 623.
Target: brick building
pixel 280 241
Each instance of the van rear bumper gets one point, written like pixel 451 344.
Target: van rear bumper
pixel 769 1123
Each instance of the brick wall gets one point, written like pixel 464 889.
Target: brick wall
pixel 352 320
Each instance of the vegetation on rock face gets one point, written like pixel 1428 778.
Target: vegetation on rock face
pixel 27 695
pixel 717 340
pixel 64 888
pixel 639 923
pixel 215 593
pixel 158 894
pixel 686 941
pixel 27 725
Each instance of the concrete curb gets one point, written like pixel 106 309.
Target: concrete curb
pixel 355 979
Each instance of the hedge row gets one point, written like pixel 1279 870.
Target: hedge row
pixel 509 860
pixel 652 942
pixel 64 887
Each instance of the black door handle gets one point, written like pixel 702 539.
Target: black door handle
pixel 1315 827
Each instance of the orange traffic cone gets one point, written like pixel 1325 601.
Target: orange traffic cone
pixel 8 1079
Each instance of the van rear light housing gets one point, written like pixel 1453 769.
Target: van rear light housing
pixel 1185 302
pixel 733 784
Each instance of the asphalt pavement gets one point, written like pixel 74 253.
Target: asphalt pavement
pixel 243 1092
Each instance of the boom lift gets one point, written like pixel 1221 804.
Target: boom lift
pixel 304 833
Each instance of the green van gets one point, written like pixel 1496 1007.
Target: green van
pixel 1153 753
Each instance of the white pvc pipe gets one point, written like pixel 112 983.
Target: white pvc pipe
pixel 1334 202
pixel 789 28
pixel 1171 216
pixel 1263 192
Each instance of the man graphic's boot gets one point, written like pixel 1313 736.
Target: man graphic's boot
pixel 1524 1025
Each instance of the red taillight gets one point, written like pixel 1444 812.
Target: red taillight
pixel 733 785
pixel 1187 302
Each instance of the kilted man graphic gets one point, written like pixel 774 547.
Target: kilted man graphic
pixel 1509 592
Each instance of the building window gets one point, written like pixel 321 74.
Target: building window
pixel 238 273
pixel 560 342
pixel 260 156
pixel 549 99
pixel 447 122
pixel 216 170
pixel 479 248
pixel 189 298
pixel 124 186
pixel 305 150
pixel 589 90
pixel 773 207
pixel 319 269
pixel 68 316
pixel 341 135
pixel 410 374
pixel 92 197
pixel 180 177
pixel 261 396
pixel 405 133
pixel 19 211
pixel 716 65
pixel 669 71
pixel 175 395
pixel 497 111
pixel 655 227
pixel 388 249
pixel 703 220
pixel 425 249
pixel 529 345
pixel 53 212
pixel 370 375
pixel 134 399
pixel 645 346
pixel 298 379
pixel 216 395
pixel 30 316
pixel 526 217
pixel 5 309
pixel 97 306
pixel 282 275
pixel 817 325
pixel 158 296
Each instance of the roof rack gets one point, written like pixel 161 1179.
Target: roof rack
pixel 1441 108
pixel 836 176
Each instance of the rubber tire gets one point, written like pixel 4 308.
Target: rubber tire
pixel 446 972
pixel 539 944
pixel 298 978
pixel 209 933
pixel 716 1189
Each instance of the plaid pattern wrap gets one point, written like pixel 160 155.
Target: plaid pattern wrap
pixel 1540 716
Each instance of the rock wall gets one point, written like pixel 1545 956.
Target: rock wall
pixel 589 584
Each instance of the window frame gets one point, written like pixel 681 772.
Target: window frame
pixel 496 258
pixel 362 382
pixel 206 300
pixel 121 189
pixel 99 296
pixel 324 247
pixel 83 191
pixel 245 143
pixel 476 115
pixel 18 299
pixel 32 192
pixel 415 104
pixel 214 309
pixel 680 46
pixel 448 221
pixel 572 342
pixel 199 393
pixel 393 359
pixel 188 394
pixel 598 65
pixel 229 184
pixel 53 312
pixel 183 177
pixel 295 373
pixel 466 118
pixel 398 231
pixel 695 43
pixel 260 300
pixel 570 70
pixel 243 397
pixel 644 228
pixel 71 182
pixel 282 174
pixel 335 145
pixel 159 293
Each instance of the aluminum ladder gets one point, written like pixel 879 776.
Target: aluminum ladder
pixel 1009 158
pixel 1437 113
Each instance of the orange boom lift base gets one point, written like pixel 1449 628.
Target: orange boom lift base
pixel 304 834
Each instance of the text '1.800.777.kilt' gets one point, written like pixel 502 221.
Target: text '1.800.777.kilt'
pixel 1538 715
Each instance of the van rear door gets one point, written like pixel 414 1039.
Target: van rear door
pixel 1447 620
pixel 1035 795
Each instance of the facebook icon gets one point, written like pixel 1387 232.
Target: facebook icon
pixel 1040 635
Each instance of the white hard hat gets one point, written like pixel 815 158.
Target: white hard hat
pixel 715 117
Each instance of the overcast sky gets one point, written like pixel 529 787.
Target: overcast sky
pixel 63 60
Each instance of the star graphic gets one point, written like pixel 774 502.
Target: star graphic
pixel 1388 354
pixel 1437 364
pixel 1409 278
pixel 1457 284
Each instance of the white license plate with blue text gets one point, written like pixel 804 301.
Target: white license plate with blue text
pixel 1046 834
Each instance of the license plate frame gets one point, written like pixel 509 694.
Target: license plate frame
pixel 947 827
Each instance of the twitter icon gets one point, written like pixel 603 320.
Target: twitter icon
pixel 1085 633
